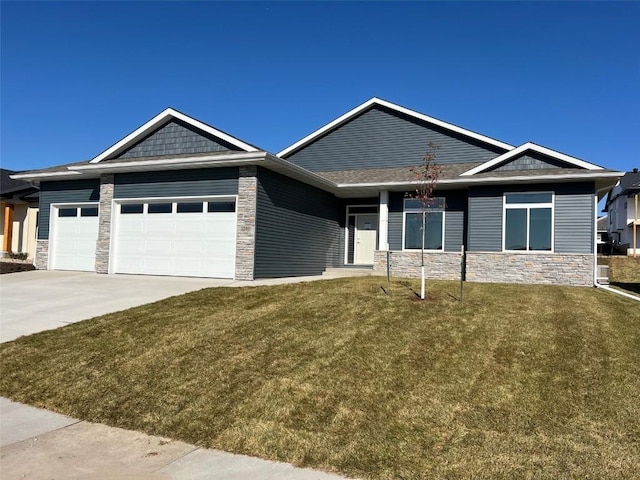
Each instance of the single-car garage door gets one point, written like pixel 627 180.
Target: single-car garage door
pixel 75 232
pixel 192 237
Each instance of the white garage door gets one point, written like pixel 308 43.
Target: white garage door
pixel 75 232
pixel 192 238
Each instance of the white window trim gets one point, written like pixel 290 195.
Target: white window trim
pixel 529 206
pixel 419 210
pixel 346 227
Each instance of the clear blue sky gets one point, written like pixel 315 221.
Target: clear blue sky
pixel 78 76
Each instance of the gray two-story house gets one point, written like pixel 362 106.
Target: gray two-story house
pixel 179 197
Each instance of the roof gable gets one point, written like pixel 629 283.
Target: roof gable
pixel 531 156
pixel 161 131
pixel 383 137
pixel 397 108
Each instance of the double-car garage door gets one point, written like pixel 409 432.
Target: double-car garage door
pixel 182 237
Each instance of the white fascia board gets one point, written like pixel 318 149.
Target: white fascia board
pixel 38 176
pixel 534 148
pixel 492 180
pixel 376 101
pixel 243 157
pixel 164 117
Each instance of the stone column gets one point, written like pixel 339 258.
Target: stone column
pixel 104 224
pixel 246 226
pixel 41 260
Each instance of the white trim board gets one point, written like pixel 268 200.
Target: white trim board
pixel 531 147
pixel 383 103
pixel 161 119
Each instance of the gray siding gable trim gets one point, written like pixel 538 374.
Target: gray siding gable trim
pixel 71 191
pixel 530 161
pixel 382 138
pixel 177 183
pixel 174 138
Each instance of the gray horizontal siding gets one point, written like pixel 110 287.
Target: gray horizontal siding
pixel 381 138
pixel 174 138
pixel 177 183
pixel 573 216
pixel 531 161
pixel 71 191
pixel 297 228
pixel 395 220
pixel 573 219
pixel 456 206
pixel 484 232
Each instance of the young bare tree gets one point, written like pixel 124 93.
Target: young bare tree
pixel 426 177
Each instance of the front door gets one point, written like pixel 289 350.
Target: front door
pixel 365 238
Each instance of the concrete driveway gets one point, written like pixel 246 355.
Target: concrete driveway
pixel 42 300
pixel 39 444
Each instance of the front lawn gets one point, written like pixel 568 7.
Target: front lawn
pixel 514 382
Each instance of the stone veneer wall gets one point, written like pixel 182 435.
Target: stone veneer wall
pixel 442 265
pixel 546 268
pixel 246 214
pixel 42 254
pixel 104 224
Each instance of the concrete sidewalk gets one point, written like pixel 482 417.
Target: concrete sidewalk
pixel 38 444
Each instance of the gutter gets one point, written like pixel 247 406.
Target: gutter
pixel 617 292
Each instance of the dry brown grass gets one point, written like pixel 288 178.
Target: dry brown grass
pixel 514 382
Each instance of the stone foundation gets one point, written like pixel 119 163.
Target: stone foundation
pixel 42 254
pixel 103 244
pixel 442 265
pixel 532 268
pixel 544 268
pixel 246 213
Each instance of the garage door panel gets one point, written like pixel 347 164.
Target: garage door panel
pixel 74 242
pixel 185 244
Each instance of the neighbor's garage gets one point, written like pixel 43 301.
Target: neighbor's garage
pixel 75 232
pixel 193 237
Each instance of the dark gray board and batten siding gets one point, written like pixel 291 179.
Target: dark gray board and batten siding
pixel 297 228
pixel 573 216
pixel 455 211
pixel 69 191
pixel 175 138
pixel 177 183
pixel 381 138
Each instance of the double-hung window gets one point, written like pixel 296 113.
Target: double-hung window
pixel 528 222
pixel 433 233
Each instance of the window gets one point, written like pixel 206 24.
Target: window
pixel 221 207
pixel 159 208
pixel 89 212
pixel 190 207
pixel 127 208
pixel 433 224
pixel 528 221
pixel 67 212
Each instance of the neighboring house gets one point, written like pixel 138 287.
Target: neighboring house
pixel 602 236
pixel 19 214
pixel 623 207
pixel 179 197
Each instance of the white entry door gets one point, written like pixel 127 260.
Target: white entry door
pixel 366 235
pixel 75 233
pixel 191 238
